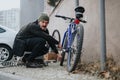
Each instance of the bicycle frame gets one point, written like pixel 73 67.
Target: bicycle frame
pixel 71 31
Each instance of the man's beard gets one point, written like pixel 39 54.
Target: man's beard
pixel 43 27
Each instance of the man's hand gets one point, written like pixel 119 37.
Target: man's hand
pixel 59 57
pixel 59 46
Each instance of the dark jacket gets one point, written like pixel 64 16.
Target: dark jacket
pixel 30 31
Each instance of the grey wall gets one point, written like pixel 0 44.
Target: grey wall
pixel 30 10
pixel 91 45
pixel 92 28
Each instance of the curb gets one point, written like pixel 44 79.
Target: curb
pixel 8 76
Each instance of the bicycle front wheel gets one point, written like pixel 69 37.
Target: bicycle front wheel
pixel 74 53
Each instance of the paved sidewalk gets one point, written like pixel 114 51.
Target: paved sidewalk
pixel 8 76
pixel 51 72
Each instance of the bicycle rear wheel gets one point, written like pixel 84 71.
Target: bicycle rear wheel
pixel 74 53
pixel 56 35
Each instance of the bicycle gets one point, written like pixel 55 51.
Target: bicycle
pixel 72 39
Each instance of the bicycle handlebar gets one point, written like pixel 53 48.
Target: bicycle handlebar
pixel 65 18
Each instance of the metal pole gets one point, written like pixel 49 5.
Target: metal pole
pixel 76 3
pixel 103 34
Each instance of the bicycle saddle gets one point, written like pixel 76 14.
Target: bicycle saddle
pixel 79 12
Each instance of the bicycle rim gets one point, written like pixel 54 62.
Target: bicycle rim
pixel 56 35
pixel 74 53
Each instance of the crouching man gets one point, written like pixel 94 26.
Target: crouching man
pixel 34 37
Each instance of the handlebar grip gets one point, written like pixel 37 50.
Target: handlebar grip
pixel 61 17
pixel 83 21
pixel 57 16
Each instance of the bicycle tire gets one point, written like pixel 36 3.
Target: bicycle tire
pixel 58 37
pixel 80 33
pixel 64 52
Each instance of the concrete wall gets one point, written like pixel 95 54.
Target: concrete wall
pixel 91 46
pixel 30 10
pixel 92 37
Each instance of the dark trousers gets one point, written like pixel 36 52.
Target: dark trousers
pixel 37 48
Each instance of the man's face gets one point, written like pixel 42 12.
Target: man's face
pixel 43 24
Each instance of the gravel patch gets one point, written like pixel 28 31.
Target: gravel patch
pixel 51 72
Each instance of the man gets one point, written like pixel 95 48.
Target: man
pixel 34 37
